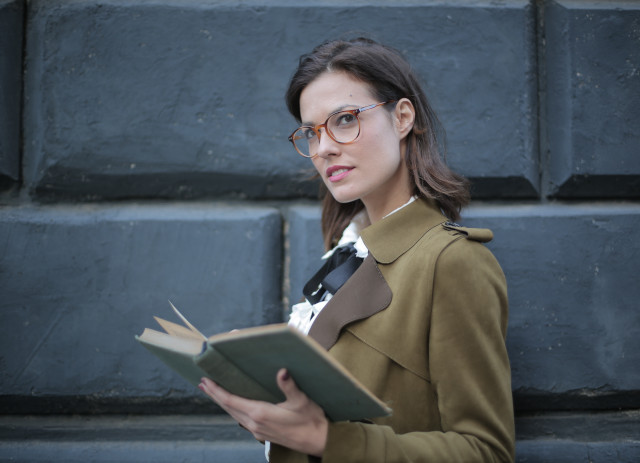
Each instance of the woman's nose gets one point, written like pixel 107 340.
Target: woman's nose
pixel 327 146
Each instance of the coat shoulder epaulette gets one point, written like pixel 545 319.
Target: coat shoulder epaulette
pixel 483 235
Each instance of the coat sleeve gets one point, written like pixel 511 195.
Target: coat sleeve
pixel 469 369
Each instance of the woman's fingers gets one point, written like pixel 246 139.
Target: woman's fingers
pixel 294 397
pixel 224 398
pixel 235 406
pixel 297 422
pixel 212 389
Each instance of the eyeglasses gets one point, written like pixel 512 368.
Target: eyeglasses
pixel 342 127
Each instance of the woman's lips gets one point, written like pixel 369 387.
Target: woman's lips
pixel 337 173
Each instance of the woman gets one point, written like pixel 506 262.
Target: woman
pixel 422 321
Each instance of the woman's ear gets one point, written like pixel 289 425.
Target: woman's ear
pixel 405 116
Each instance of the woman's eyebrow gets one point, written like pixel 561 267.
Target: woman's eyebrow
pixel 339 108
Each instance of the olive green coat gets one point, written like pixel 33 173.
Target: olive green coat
pixel 422 324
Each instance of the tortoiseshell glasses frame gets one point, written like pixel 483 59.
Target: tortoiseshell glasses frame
pixel 341 126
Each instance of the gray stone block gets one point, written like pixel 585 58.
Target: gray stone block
pixel 130 99
pixel 305 248
pixel 560 451
pixel 582 437
pixel 578 437
pixel 117 438
pixel 572 276
pixel 11 19
pixel 78 282
pixel 593 99
pixel 131 452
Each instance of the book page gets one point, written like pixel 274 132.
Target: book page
pixel 177 330
pixel 173 343
pixel 186 322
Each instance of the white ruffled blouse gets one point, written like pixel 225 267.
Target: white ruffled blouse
pixel 304 313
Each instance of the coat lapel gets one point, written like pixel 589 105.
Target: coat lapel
pixel 363 295
pixel 366 292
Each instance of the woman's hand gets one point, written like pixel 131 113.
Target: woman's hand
pixel 297 423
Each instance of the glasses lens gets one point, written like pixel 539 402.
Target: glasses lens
pixel 305 141
pixel 344 126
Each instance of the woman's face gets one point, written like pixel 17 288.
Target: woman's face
pixel 372 168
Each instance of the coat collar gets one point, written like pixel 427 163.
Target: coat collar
pixel 394 235
pixel 366 292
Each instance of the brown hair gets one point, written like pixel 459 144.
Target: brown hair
pixel 391 78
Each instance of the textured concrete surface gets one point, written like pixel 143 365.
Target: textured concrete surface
pixel 593 98
pixel 305 248
pixel 571 438
pixel 560 451
pixel 121 438
pixel 572 274
pixel 161 104
pixel 78 282
pixel 130 452
pixel 186 99
pixel 11 19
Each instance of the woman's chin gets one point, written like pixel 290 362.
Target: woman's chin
pixel 343 198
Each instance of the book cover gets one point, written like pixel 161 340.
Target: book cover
pixel 245 363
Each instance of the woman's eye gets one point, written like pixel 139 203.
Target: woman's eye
pixel 345 119
pixel 308 134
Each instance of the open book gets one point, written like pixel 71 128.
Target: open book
pixel 245 363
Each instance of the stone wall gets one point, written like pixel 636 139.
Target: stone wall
pixel 143 157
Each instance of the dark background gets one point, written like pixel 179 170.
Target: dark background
pixel 143 157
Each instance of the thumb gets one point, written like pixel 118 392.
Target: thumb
pixel 288 386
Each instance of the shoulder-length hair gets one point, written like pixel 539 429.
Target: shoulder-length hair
pixel 390 77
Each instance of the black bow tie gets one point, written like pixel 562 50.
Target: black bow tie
pixel 333 274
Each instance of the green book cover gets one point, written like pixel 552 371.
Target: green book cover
pixel 245 363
